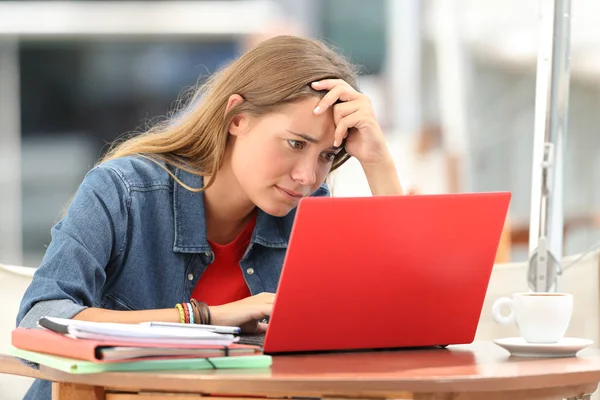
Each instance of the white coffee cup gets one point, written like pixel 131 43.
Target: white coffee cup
pixel 540 317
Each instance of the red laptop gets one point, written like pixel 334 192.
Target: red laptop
pixel 386 272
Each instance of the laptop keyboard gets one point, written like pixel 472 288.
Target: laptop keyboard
pixel 252 339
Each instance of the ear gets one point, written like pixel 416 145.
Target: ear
pixel 238 125
pixel 233 100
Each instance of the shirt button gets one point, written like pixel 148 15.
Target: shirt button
pixel 190 277
pixel 250 271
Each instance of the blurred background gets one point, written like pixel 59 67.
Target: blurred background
pixel 453 83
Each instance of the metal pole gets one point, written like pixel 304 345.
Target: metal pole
pixel 451 64
pixel 551 110
pixel 404 64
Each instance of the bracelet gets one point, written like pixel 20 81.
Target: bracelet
pixel 190 312
pixel 181 314
pixel 185 313
pixel 207 314
pixel 196 312
pixel 200 319
pixel 203 311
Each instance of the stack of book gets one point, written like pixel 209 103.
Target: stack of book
pixel 90 347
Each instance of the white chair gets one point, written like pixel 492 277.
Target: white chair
pixel 582 280
pixel 13 282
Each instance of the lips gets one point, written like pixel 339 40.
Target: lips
pixel 290 192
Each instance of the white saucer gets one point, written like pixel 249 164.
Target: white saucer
pixel 567 347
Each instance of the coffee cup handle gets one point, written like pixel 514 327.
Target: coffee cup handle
pixel 497 311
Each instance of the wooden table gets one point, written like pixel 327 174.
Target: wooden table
pixel 477 371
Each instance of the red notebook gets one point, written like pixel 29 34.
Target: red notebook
pixel 48 342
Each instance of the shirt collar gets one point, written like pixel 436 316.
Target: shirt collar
pixel 190 219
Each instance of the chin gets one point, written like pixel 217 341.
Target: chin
pixel 275 208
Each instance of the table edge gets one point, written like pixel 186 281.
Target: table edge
pixel 302 387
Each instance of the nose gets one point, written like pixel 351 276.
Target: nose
pixel 305 172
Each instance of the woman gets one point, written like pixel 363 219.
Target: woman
pixel 201 206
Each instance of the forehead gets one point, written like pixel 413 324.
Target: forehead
pixel 300 118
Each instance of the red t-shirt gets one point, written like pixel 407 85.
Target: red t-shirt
pixel 223 282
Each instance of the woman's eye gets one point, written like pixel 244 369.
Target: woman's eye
pixel 329 156
pixel 296 144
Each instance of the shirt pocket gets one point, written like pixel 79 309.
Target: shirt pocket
pixel 111 302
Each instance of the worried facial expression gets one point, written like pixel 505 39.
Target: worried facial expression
pixel 281 157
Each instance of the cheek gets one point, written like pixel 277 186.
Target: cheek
pixel 260 162
pixel 272 163
pixel 276 158
pixel 322 172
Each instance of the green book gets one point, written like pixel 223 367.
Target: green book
pixel 75 366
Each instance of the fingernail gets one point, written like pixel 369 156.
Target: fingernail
pixel 315 83
pixel 317 109
pixel 335 143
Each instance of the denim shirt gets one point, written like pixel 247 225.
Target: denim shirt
pixel 134 239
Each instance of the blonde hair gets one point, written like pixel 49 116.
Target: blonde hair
pixel 276 73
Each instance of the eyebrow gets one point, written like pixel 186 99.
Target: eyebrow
pixel 311 139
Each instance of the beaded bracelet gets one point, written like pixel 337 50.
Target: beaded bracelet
pixel 190 312
pixel 186 313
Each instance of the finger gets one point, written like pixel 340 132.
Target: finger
pixel 267 297
pixel 342 110
pixel 340 92
pixel 261 327
pixel 330 98
pixel 341 131
pixel 328 84
pixel 249 327
pixel 261 310
pixel 346 123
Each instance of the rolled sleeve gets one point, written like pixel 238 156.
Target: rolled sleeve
pixel 56 308
pixel 92 233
